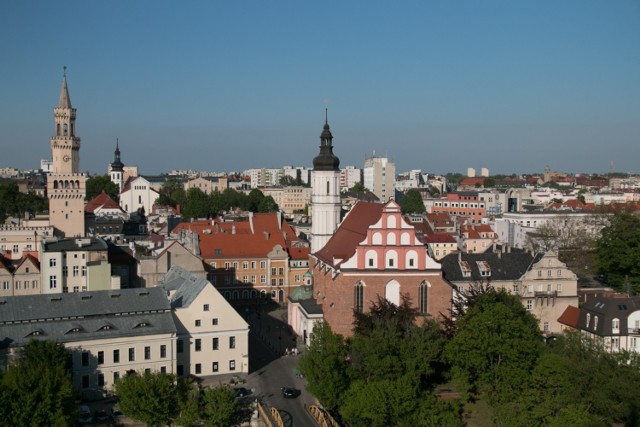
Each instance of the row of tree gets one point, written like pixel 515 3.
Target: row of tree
pixel 15 203
pixel 37 390
pixel 389 371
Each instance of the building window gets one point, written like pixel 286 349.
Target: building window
pixel 100 380
pixel 232 365
pixel 273 271
pixel 529 304
pixel 214 366
pixel 235 265
pixel 116 356
pixel 198 323
pixel 359 297
pixel 100 357
pixel 559 287
pixel 85 358
pixel 163 369
pixel 76 270
pixel 546 326
pixel 147 353
pixel 5 285
pixel 163 351
pixel 227 265
pixel 215 344
pixel 198 344
pixel 198 368
pixel 65 271
pixel 615 325
pixel 214 322
pixel 84 270
pixel 370 262
pixel 116 376
pixel 588 319
pixel 263 264
pixel 205 307
pixel 132 354
pixel 424 298
pixel 516 288
pixel 53 283
pixel 263 278
pixel 232 342
pixel 85 381
pixel 245 265
pixel 52 262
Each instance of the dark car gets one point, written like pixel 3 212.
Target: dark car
pixel 289 392
pixel 242 392
pixel 101 416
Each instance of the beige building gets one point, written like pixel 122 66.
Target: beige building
pixel 66 186
pixel 207 185
pixel 545 285
pixel 289 199
pixel 15 241
pixel 213 339
pixel 75 265
pixel 20 277
pixel 109 333
pixel 379 176
pixel 151 269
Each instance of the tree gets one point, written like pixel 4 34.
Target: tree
pixel 289 181
pixel 618 252
pixel 149 397
pixel 172 193
pixel 219 406
pixel 268 205
pixel 99 183
pixel 358 187
pixel 495 347
pixel 324 366
pixel 37 389
pixel 197 204
pixel 412 202
pixel 13 202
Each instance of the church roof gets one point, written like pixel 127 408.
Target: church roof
pixel 65 100
pixel 326 160
pixel 351 232
pixel 103 201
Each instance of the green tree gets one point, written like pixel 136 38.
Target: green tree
pixel 219 406
pixel 255 197
pixel 15 203
pixel 495 347
pixel 149 397
pixel 412 202
pixel 618 251
pixel 324 366
pixel 37 389
pixel 489 182
pixel 289 181
pixel 268 205
pixel 99 183
pixel 172 193
pixel 358 187
pixel 197 204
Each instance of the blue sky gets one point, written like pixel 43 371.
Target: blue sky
pixel 221 86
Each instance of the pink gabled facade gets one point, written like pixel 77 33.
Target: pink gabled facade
pixel 375 252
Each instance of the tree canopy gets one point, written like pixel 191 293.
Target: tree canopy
pixel 99 183
pixel 15 203
pixel 358 187
pixel 412 202
pixel 618 252
pixel 37 389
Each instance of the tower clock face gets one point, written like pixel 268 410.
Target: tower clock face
pixel 66 158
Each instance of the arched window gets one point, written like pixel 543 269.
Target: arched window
pixel 236 295
pixel 359 297
pixel 77 184
pixel 55 184
pixel 615 325
pixel 66 184
pixel 65 131
pixel 392 292
pixel 411 260
pixel 391 239
pixel 371 259
pixel 327 187
pixel 391 259
pixel 58 129
pixel 588 319
pixel 423 298
pixel 376 239
pixel 405 239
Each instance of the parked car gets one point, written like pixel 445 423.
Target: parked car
pixel 116 413
pixel 289 392
pixel 84 416
pixel 101 416
pixel 242 392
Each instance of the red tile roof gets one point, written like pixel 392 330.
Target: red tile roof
pixel 224 240
pixel 570 316
pixel 102 200
pixel 440 238
pixel 352 231
pixel 472 181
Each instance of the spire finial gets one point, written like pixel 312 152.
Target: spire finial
pixel 117 143
pixel 326 115
pixel 64 71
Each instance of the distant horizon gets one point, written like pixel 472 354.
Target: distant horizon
pixel 231 86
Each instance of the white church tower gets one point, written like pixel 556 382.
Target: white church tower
pixel 325 191
pixel 116 169
pixel 66 186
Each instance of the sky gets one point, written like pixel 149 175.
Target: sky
pixel 441 86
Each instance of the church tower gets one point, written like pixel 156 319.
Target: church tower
pixel 116 169
pixel 66 186
pixel 325 191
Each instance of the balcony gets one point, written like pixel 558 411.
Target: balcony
pixel 548 296
pixel 634 331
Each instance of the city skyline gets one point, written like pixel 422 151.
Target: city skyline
pixel 441 87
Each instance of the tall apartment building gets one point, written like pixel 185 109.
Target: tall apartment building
pixel 349 176
pixel 380 177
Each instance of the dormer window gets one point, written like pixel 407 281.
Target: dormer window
pixel 484 268
pixel 143 324
pixel 588 319
pixel 466 270
pixel 615 326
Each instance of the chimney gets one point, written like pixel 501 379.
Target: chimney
pixel 233 228
pixel 279 216
pixel 266 235
pixel 251 221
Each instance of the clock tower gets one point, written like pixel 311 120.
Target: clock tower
pixel 66 186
